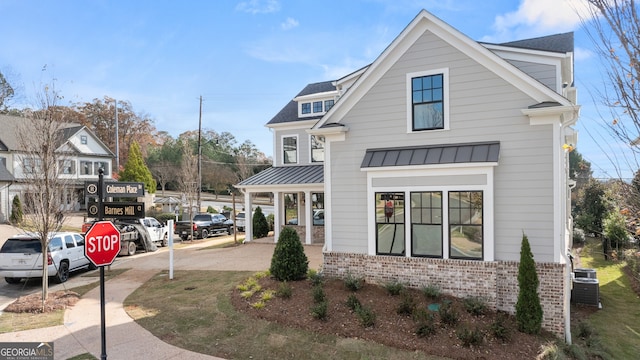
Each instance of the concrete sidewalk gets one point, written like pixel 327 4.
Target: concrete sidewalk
pixel 125 339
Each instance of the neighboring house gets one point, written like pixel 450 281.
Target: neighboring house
pixel 433 161
pixel 82 154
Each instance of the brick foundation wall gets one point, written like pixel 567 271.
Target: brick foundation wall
pixel 317 237
pixel 495 281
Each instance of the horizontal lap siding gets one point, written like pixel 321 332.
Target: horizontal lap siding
pixel 483 107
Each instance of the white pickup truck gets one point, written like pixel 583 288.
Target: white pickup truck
pixel 131 238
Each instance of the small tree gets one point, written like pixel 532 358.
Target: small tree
pixel 16 211
pixel 615 230
pixel 136 170
pixel 289 261
pixel 528 309
pixel 260 224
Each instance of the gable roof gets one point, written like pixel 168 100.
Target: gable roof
pixel 432 155
pixel 289 113
pixel 423 22
pixel 287 175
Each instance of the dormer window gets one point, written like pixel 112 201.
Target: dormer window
pixel 83 139
pixel 306 108
pixel 328 104
pixel 317 106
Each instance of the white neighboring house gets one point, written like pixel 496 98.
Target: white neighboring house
pixel 432 161
pixel 83 153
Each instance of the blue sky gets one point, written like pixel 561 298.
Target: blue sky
pixel 248 58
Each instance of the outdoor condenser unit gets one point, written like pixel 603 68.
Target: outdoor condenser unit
pixel 586 291
pixel 584 273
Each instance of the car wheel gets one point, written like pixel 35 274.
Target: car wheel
pixel 165 240
pixel 12 280
pixel 63 272
pixel 131 248
pixel 204 234
pixel 229 229
pixel 184 238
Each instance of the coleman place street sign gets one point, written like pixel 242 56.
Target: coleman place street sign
pixel 115 189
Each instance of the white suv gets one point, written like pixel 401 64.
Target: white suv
pixel 21 257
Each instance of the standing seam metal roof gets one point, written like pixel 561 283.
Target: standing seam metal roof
pixel 287 175
pixel 432 155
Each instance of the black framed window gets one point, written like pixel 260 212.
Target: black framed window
pixel 426 224
pixel 290 150
pixel 427 94
pixel 390 227
pixel 465 224
pixel 306 108
pixel 317 106
pixel 317 148
pixel 328 104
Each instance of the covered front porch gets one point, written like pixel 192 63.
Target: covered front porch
pixel 298 200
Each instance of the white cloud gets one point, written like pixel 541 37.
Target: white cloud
pixel 259 6
pixel 538 17
pixel 289 24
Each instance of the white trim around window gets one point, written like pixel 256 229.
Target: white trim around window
pixel 445 97
pixel 465 177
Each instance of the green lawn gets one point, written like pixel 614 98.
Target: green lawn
pixel 617 324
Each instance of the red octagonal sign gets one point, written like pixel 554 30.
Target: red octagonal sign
pixel 102 243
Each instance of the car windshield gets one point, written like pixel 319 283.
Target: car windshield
pixel 240 216
pixel 22 246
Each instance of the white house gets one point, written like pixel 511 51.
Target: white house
pixel 82 155
pixel 430 164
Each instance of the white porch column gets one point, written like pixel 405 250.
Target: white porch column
pixel 278 215
pixel 308 215
pixel 248 217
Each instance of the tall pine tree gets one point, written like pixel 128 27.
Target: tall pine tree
pixel 135 170
pixel 528 308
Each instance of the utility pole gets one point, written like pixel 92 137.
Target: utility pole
pixel 117 140
pixel 199 156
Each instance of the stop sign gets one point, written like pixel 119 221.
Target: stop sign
pixel 102 243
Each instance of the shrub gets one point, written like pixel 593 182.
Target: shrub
pixel 614 228
pixel 284 290
pixel 353 283
pixel 289 261
pixel 499 328
pixel 315 277
pixel 578 236
pixel 366 316
pixel 528 308
pixel 475 306
pixel 17 215
pixel 319 294
pixel 407 305
pixel 258 304
pixel 448 314
pixel 271 219
pixel 164 217
pixel 425 322
pixel 211 210
pixel 352 302
pixel 470 337
pixel 319 310
pixel 259 222
pixel 394 287
pixel 267 295
pixel 584 330
pixel 431 291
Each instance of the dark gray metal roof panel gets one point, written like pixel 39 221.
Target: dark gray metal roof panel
pixel 432 155
pixel 562 43
pixel 289 112
pixel 287 175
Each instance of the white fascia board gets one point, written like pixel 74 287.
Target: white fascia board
pixel 320 95
pixel 293 125
pixel 282 188
pixel 333 130
pixel 566 114
pixel 434 169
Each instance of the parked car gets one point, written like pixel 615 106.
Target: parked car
pixel 318 218
pixel 240 221
pixel 21 257
pixel 203 226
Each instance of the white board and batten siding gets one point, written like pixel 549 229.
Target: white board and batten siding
pixel 483 107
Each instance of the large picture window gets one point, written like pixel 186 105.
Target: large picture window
pixel 465 224
pixel 426 223
pixel 290 150
pixel 390 223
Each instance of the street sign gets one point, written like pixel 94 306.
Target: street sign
pixel 123 210
pixel 102 243
pixel 115 189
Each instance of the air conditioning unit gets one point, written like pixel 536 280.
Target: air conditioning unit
pixel 584 273
pixel 586 291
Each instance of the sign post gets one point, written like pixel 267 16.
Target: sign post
pixel 102 245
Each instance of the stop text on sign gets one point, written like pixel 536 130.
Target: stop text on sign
pixel 103 243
